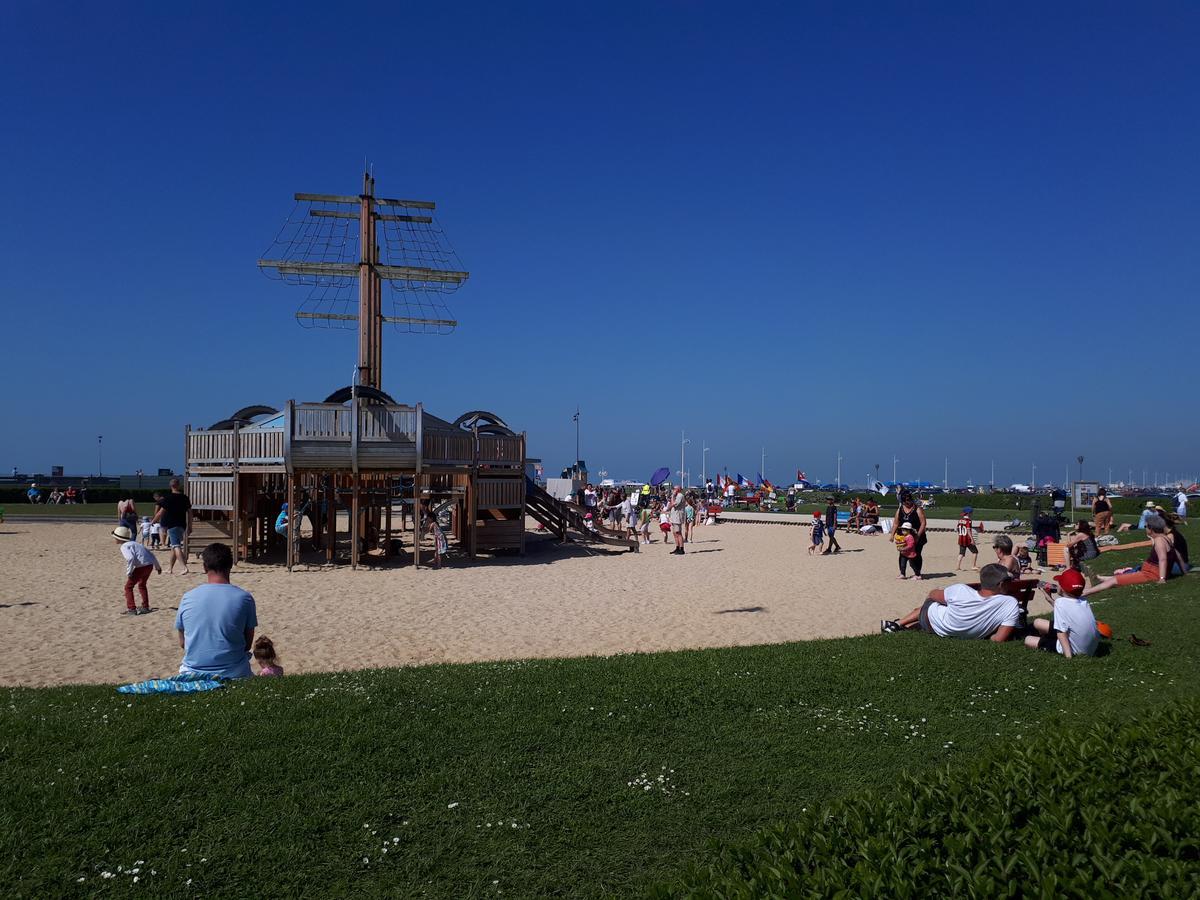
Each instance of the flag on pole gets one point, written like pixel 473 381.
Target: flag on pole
pixel 743 483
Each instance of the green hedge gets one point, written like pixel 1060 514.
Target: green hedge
pixel 1112 810
pixel 15 496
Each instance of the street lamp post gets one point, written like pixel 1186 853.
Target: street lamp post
pixel 99 454
pixel 683 442
pixel 576 419
pixel 839 471
pixel 1079 459
pixel 704 462
pixel 894 461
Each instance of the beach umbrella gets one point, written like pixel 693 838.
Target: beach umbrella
pixel 659 476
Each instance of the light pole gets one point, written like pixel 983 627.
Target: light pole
pixel 762 465
pixel 876 471
pixel 576 420
pixel 1033 478
pixel 894 461
pixel 946 476
pixel 99 454
pixel 704 462
pixel 992 483
pixel 839 471
pixel 1079 459
pixel 683 442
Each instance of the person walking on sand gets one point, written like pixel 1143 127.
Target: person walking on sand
pixel 175 514
pixel 831 514
pixel 139 563
pixel 911 513
pixel 678 518
pixel 966 529
pixel 1102 512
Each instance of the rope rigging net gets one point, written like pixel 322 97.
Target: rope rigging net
pixel 319 246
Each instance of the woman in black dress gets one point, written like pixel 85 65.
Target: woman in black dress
pixel 911 512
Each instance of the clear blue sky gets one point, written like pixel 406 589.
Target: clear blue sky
pixel 917 230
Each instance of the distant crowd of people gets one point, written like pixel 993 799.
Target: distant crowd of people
pixel 57 494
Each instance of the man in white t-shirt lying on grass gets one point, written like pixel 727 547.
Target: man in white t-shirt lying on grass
pixel 962 612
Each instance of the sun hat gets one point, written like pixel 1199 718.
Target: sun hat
pixel 122 533
pixel 907 525
pixel 1149 504
pixel 1071 580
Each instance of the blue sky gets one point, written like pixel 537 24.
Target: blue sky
pixel 912 230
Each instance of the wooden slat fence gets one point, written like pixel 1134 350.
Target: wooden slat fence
pixel 500 493
pixel 210 492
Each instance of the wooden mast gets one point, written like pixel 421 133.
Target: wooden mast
pixel 370 325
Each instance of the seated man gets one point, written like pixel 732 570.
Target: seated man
pixel 962 612
pixel 216 621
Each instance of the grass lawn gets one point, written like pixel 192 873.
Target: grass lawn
pixel 584 777
pixel 90 510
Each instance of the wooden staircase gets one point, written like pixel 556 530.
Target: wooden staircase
pixel 566 520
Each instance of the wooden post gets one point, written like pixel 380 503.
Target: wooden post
pixel 354 527
pixel 417 521
pixel 291 524
pixel 330 518
pixel 235 516
pixel 370 325
pixel 387 515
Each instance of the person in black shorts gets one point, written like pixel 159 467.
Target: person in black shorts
pixel 174 513
pixel 831 527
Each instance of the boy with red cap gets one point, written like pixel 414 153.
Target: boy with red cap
pixel 1074 631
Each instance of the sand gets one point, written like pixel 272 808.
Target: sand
pixel 61 602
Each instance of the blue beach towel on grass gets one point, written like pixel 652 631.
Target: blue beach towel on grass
pixel 176 684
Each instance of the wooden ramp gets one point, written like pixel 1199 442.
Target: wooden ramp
pixel 566 521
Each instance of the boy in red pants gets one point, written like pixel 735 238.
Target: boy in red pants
pixel 139 562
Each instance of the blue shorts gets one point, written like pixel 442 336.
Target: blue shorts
pixel 175 536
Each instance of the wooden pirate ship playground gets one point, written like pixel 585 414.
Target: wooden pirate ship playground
pixel 357 469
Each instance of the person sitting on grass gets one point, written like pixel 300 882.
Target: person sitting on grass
pixel 962 612
pixel 1162 562
pixel 1074 631
pixel 1026 561
pixel 1151 509
pixel 264 655
pixel 216 621
pixel 1081 544
pixel 1003 546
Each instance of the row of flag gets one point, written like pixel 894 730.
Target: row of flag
pixel 725 481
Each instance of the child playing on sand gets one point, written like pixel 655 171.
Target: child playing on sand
pixel 1074 632
pixel 440 544
pixel 906 544
pixel 818 535
pixel 264 655
pixel 644 517
pixel 139 562
pixel 147 530
pixel 664 524
pixel 966 539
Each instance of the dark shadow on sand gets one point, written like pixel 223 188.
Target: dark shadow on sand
pixel 743 609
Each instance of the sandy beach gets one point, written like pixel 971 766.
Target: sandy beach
pixel 61 602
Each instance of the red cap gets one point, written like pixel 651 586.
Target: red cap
pixel 1070 581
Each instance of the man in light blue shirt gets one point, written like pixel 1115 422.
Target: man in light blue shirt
pixel 216 621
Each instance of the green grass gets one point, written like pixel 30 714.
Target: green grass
pixel 90 510
pixel 1110 809
pixel 285 786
